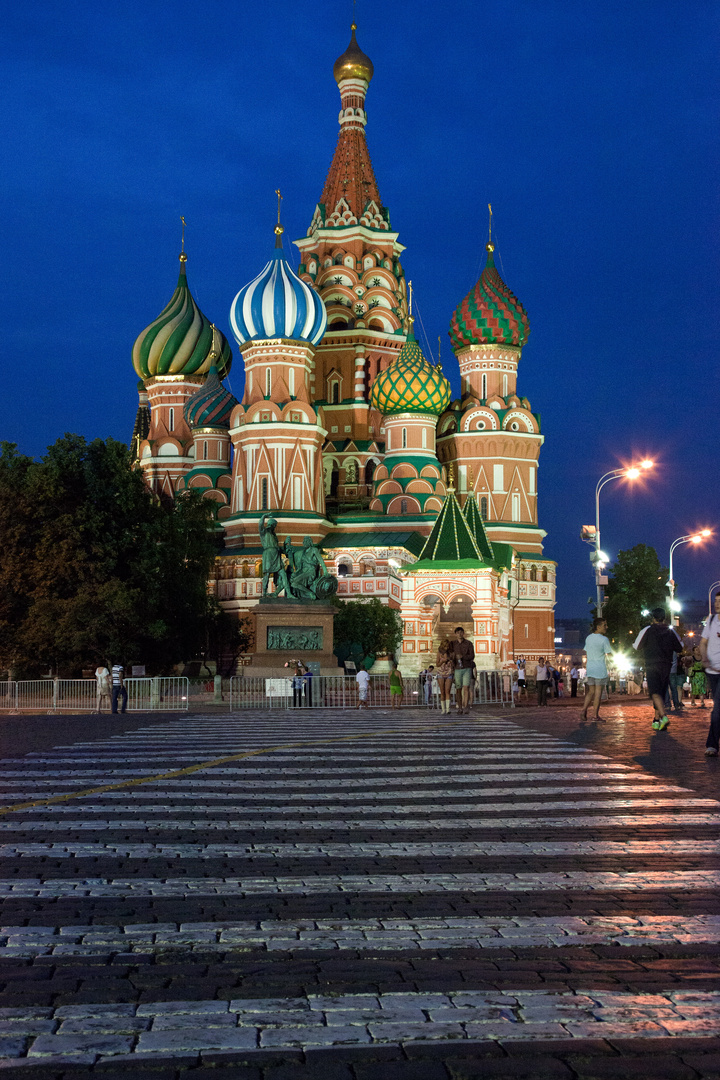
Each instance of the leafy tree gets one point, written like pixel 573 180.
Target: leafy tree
pixel 95 567
pixel 637 583
pixel 364 629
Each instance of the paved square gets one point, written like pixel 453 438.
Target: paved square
pixel 360 896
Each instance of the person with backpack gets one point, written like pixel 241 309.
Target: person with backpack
pixel 710 653
pixel 658 644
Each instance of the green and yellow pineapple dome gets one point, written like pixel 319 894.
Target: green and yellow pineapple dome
pixel 410 384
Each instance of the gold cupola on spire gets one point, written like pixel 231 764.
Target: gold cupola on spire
pixel 353 64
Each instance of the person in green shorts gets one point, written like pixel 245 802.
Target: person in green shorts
pixel 463 655
pixel 396 687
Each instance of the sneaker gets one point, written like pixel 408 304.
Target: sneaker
pixel 656 725
pixel 663 724
pixel 711 752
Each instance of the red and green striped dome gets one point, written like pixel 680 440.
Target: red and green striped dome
pixel 490 314
pixel 410 384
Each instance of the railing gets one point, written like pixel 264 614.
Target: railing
pixel 164 694
pixel 341 692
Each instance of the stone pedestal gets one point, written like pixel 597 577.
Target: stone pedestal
pixel 288 630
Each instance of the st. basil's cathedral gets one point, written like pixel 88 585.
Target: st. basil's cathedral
pixel 346 433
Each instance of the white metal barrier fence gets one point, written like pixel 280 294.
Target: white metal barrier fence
pixel 342 692
pixel 163 694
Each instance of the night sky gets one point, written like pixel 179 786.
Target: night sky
pixel 590 127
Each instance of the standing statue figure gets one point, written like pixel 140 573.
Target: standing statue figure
pixel 308 571
pixel 272 558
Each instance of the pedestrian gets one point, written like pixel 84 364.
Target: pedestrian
pixel 297 687
pixel 597 647
pixel 698 679
pixel 308 677
pixel 561 687
pixel 574 674
pixel 542 679
pixel 396 686
pixel 102 691
pixel 363 682
pixel 119 690
pixel 658 644
pixel 677 678
pixel 429 682
pixel 555 676
pixel 710 652
pixel 521 678
pixel 445 675
pixel 463 655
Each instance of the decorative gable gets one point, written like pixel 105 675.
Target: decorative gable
pixel 372 217
pixel 342 215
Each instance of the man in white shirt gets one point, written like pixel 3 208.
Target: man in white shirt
pixel 119 691
pixel 363 681
pixel 710 654
pixel 542 679
pixel 597 647
pixel 573 681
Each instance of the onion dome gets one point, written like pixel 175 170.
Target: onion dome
pixel 490 314
pixel 180 340
pixel 211 405
pixel 410 384
pixel 277 304
pixel 353 64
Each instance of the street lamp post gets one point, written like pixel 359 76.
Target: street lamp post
pixel 691 538
pixel 598 558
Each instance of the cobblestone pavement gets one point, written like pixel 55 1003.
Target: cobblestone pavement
pixel 375 896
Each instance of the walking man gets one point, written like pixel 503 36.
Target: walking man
pixel 463 654
pixel 573 680
pixel 658 643
pixel 542 679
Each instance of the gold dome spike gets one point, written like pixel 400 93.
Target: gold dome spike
pixel 490 246
pixel 183 256
pixel 279 229
pixel 353 64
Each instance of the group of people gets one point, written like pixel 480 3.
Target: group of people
pixel 455 667
pixel 667 667
pixel 110 688
pixel 302 686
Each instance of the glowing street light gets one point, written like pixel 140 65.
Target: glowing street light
pixel 598 558
pixel 691 538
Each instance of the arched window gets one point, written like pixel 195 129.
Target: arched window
pixel 205 450
pixel 291 382
pixel 483 508
pixel 424 438
pixel 484 386
pixel 505 386
pixel 370 471
pixel 404 437
pixel 268 383
pixel 403 506
pixel 544 574
pixel 335 393
pixel 533 573
pixel 171 419
pixel 516 507
pixel 264 493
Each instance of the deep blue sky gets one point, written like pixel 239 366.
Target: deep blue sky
pixel 591 127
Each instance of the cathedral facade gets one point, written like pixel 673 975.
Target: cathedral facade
pixel 346 433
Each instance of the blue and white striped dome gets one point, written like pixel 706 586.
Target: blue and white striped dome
pixel 277 304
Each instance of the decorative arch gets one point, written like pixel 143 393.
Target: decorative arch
pixel 412 506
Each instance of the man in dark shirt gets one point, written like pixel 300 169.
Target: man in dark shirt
pixel 658 643
pixel 463 656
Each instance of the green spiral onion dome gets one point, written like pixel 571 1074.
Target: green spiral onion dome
pixel 490 314
pixel 410 384
pixel 180 340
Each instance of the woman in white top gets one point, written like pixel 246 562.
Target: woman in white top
pixel 597 647
pixel 102 678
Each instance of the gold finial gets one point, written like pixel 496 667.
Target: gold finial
pixel 183 256
pixel 471 482
pixel 490 246
pixel 279 230
pixel 213 351
pixel 451 477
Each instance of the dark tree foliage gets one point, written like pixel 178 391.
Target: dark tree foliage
pixel 637 583
pixel 365 629
pixel 94 567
